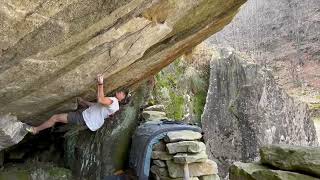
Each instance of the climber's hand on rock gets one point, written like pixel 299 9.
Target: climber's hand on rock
pixel 100 79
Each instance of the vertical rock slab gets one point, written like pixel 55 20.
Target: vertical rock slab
pixel 246 109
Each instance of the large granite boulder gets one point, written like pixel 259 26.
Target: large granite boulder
pixel 94 155
pixel 51 51
pixel 254 171
pixel 246 109
pixel 292 158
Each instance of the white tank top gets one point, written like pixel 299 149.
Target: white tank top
pixel 94 116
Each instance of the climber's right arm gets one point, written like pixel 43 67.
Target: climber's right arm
pixel 84 102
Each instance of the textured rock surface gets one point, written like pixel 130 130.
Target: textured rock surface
pixel 183 158
pixel 186 146
pixel 183 135
pixel 251 171
pixel 51 51
pixel 210 177
pixel 159 171
pixel 11 131
pixel 93 155
pixel 162 155
pixel 153 115
pixel 35 172
pixel 159 163
pixel 169 178
pixel 158 107
pixel 160 146
pixel 292 158
pixel 195 169
pixel 246 109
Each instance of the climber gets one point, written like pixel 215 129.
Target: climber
pixel 93 117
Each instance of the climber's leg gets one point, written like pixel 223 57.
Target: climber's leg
pixel 62 118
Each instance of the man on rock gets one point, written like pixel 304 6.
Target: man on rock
pixel 93 117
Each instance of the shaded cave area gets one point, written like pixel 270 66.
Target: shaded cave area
pixel 45 147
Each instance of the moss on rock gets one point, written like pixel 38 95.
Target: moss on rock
pixel 35 171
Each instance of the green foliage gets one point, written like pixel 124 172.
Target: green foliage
pixel 199 103
pixel 59 173
pixel 315 106
pixel 175 108
pixel 177 80
pixel 15 175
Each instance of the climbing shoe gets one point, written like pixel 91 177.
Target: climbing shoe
pixel 30 129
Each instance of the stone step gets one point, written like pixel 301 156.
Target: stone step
pixel 184 135
pixel 195 169
pixel 158 107
pixel 183 158
pixel 153 115
pixel 185 147
pixel 12 131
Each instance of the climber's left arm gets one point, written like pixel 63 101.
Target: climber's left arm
pixel 100 94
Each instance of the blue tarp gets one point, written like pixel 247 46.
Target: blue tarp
pixel 145 136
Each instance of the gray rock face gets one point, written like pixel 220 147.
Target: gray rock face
pixel 252 171
pixel 161 155
pixel 94 155
pixel 159 171
pixel 11 131
pixel 292 158
pixel 246 109
pixel 160 146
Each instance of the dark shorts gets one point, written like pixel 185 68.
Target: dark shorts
pixel 75 118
